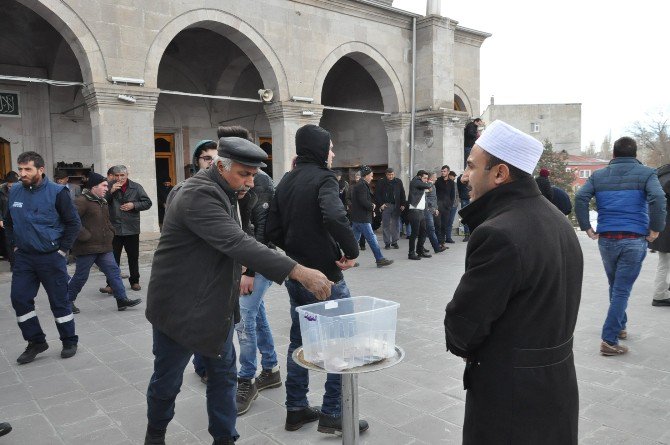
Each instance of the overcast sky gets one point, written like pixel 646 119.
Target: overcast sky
pixel 608 56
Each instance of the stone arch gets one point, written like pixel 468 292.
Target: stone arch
pixel 233 28
pixel 460 95
pixel 76 33
pixel 374 63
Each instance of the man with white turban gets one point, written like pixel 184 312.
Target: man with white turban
pixel 514 311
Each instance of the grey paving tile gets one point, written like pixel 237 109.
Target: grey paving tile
pixel 97 379
pixel 119 398
pixel 431 429
pixel 33 429
pixel 72 412
pixel 52 386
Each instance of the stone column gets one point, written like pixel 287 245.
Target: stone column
pixel 435 63
pixel 398 130
pixel 285 120
pixel 434 7
pixel 123 133
pixel 439 140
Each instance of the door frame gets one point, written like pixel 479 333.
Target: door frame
pixel 170 156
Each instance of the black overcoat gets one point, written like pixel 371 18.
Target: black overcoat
pixel 513 316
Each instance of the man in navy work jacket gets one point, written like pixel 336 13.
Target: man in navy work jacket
pixel 42 225
pixel 631 211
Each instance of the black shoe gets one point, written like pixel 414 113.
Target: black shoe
pixel 395 246
pixel 362 247
pixel 75 309
pixel 296 419
pixel 247 392
pixel 664 302
pixel 333 425
pixel 466 238
pixel 425 254
pixel 5 428
pixel 441 249
pixel 123 304
pixel 387 246
pixel 154 436
pixel 413 256
pixel 69 350
pixel 268 379
pixel 450 241
pixel 228 441
pixel 384 262
pixel 31 352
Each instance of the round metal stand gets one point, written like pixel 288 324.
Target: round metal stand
pixel 350 389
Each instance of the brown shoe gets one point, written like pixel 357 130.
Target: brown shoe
pixel 136 286
pixel 106 290
pixel 623 334
pixel 609 350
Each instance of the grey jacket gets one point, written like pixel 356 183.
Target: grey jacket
pixel 194 289
pixel 127 223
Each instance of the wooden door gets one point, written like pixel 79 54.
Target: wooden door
pixel 165 157
pixel 266 144
pixel 5 158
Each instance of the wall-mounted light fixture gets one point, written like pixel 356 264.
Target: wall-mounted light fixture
pixel 307 113
pixel 127 98
pixel 308 100
pixel 126 80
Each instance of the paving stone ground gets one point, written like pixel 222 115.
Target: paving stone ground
pixel 97 397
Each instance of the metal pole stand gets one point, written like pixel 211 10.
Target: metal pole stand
pixel 350 389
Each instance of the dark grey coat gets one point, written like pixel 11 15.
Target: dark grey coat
pixel 513 316
pixel 194 288
pixel 127 223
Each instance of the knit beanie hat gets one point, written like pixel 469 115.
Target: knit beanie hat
pixel 94 179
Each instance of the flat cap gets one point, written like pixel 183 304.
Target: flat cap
pixel 242 151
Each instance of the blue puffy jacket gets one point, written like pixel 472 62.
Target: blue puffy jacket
pixel 628 195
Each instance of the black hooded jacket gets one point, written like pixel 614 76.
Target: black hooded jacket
pixel 307 218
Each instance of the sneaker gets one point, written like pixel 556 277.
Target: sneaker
pixel 5 428
pixel 268 379
pixel 75 309
pixel 136 286
pixel 106 290
pixel 413 256
pixel 333 425
pixel 31 352
pixel 395 245
pixel 664 302
pixel 154 436
pixel 609 350
pixel 127 302
pixel 623 334
pixel 384 262
pixel 69 350
pixel 296 419
pixel 247 392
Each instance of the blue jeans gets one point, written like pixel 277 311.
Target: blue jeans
pixel 365 229
pixel 253 331
pixel 430 229
pixel 297 377
pixel 107 265
pixel 622 260
pixel 448 231
pixel 170 360
pixel 464 204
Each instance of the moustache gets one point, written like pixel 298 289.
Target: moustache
pixel 244 188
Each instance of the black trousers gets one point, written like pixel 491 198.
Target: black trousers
pixel 132 245
pixel 418 222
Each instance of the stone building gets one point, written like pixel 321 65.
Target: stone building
pixel 139 82
pixel 560 123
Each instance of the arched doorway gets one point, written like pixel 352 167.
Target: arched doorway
pixel 51 119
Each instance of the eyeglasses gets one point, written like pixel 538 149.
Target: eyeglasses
pixel 206 158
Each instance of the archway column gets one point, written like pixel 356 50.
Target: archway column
pixel 123 133
pixel 439 139
pixel 285 120
pixel 398 131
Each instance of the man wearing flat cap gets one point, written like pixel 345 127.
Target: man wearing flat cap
pixel 514 311
pixel 193 296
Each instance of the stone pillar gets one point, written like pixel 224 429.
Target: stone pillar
pixel 435 63
pixel 285 120
pixel 439 140
pixel 398 130
pixel 123 133
pixel 434 7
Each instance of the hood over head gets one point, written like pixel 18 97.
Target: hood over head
pixel 312 144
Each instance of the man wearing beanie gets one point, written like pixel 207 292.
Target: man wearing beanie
pixel 94 244
pixel 308 221
pixel 362 209
pixel 514 311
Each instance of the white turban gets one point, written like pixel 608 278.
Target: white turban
pixel 511 145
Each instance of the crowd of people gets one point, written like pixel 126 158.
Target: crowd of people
pixel 219 253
